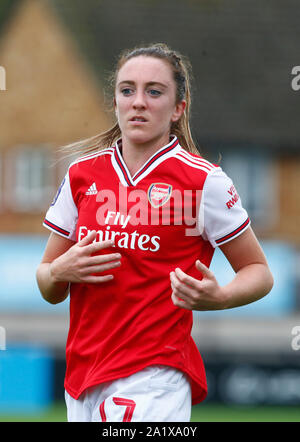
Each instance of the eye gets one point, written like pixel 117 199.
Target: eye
pixel 126 91
pixel 154 92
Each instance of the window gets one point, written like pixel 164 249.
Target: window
pixel 29 178
pixel 255 177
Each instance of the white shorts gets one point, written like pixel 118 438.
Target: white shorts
pixel 155 394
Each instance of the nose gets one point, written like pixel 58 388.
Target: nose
pixel 139 100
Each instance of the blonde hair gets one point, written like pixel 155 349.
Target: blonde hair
pixel 181 73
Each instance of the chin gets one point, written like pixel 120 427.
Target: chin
pixel 139 138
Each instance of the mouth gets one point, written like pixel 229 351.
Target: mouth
pixel 138 119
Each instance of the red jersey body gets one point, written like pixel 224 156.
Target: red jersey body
pixel 173 211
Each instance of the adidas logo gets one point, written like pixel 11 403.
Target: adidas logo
pixel 92 190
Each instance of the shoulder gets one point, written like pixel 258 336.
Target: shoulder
pixel 90 158
pixel 195 161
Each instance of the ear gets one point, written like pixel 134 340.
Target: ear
pixel 178 111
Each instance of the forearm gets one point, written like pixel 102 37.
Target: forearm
pixel 52 291
pixel 251 283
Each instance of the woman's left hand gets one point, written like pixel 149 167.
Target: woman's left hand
pixel 195 294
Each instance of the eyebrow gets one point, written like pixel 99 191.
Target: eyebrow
pixel 150 83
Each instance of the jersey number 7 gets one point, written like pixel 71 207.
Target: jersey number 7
pixel 128 403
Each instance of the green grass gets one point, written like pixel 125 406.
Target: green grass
pixel 226 413
pixel 55 413
pixel 200 413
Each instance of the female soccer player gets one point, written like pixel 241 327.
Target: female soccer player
pixel 134 226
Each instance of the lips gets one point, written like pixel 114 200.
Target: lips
pixel 138 119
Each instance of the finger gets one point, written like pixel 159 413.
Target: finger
pixel 187 279
pixel 204 270
pixel 180 288
pixel 97 279
pixel 100 268
pixel 179 302
pixel 98 245
pixel 101 259
pixel 88 239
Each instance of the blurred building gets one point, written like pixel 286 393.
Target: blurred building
pixel 51 99
pixel 58 55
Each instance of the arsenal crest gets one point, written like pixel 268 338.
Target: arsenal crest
pixel 159 194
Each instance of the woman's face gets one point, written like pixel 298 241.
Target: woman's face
pixel 145 100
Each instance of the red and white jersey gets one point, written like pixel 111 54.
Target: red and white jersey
pixel 174 210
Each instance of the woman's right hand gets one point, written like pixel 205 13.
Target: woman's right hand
pixel 78 265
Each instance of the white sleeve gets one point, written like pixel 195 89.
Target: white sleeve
pixel 222 216
pixel 62 215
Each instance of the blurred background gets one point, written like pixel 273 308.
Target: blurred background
pixel 57 56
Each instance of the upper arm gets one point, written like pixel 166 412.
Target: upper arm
pixel 56 246
pixel 244 250
pixel 62 215
pixel 221 213
pixel 61 219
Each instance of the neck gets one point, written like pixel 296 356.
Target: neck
pixel 136 154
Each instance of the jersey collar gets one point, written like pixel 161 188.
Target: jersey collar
pixel 162 154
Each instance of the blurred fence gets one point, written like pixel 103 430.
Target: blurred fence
pixel 26 378
pixel 21 254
